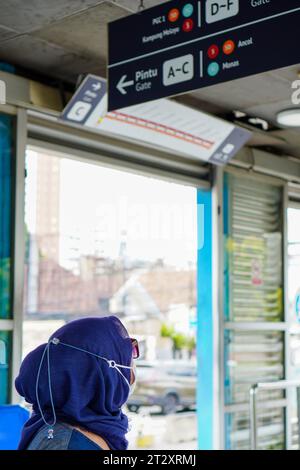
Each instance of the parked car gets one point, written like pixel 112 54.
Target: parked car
pixel 170 385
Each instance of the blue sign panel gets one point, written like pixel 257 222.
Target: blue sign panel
pixel 86 100
pixel 181 46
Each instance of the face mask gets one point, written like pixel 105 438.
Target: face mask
pixel 133 385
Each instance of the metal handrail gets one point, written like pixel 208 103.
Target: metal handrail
pixel 279 385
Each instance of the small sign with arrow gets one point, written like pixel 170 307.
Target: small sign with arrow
pixel 88 102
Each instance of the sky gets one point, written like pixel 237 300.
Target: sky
pixel 99 207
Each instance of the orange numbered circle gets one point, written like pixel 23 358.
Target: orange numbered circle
pixel 228 47
pixel 173 15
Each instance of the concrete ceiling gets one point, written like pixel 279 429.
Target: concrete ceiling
pixel 66 38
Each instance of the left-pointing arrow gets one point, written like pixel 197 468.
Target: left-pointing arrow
pixel 122 85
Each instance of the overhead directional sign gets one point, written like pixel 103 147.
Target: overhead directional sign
pixel 89 100
pixel 181 46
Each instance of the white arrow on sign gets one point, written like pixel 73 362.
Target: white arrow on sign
pixel 96 86
pixel 123 84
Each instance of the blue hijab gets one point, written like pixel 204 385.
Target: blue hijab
pixel 85 390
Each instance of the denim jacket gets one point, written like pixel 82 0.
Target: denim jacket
pixel 64 438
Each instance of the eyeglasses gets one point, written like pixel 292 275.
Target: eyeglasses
pixel 135 348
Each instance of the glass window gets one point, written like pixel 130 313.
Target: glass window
pixel 294 312
pixel 294 266
pixel 121 244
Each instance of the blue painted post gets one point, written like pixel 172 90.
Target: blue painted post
pixel 205 396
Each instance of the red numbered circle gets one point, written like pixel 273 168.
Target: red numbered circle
pixel 188 25
pixel 213 51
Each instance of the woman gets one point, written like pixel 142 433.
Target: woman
pixel 77 384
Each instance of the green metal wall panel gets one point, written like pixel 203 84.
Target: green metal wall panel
pixel 253 285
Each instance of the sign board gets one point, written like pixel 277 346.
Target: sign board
pixel 178 128
pixel 163 123
pixel 89 100
pixel 2 92
pixel 257 272
pixel 181 46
